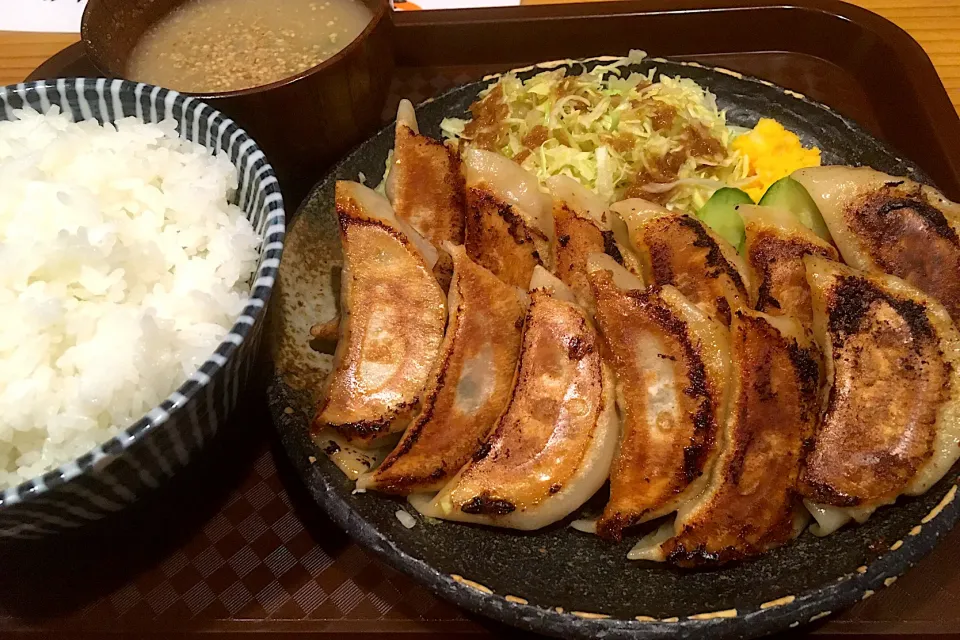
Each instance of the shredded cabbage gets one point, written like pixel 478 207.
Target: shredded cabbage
pixel 615 132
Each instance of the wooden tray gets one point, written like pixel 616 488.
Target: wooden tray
pixel 234 546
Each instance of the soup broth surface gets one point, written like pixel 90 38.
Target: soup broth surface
pixel 224 45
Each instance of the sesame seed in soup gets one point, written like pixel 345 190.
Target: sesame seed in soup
pixel 207 46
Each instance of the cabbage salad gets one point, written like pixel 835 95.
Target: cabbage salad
pixel 621 135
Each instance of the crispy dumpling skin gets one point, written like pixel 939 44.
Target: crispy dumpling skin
pixel 469 387
pixel 891 420
pixel 775 245
pixel 750 504
pixel 509 223
pixel 581 227
pixel 671 361
pixel 393 318
pixel 892 225
pixel 680 251
pixel 426 187
pixel 551 448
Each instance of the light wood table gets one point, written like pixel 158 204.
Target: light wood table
pixel 934 23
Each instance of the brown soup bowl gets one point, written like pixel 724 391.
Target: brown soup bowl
pixel 304 122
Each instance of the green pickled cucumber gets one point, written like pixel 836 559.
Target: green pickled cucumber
pixel 789 194
pixel 720 214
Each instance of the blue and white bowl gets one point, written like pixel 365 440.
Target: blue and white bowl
pixel 153 449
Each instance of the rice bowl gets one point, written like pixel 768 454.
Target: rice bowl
pixel 137 260
pixel 122 266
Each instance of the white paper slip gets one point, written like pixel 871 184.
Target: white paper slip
pixel 416 5
pixel 55 16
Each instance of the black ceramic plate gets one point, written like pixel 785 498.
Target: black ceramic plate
pixel 563 582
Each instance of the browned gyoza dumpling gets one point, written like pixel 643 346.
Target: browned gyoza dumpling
pixel 680 251
pixel 893 225
pixel 671 362
pixel 582 226
pixel 393 315
pixel 775 245
pixel 426 187
pixel 891 423
pixel 750 504
pixel 551 448
pixel 509 223
pixel 469 386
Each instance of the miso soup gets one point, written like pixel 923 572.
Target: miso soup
pixel 208 46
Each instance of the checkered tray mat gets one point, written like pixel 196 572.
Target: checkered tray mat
pixel 254 560
pixel 232 545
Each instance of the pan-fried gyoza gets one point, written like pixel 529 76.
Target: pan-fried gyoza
pixel 393 314
pixel 582 227
pixel 551 449
pixel 671 362
pixel 891 225
pixel 586 340
pixel 681 251
pixel 891 422
pixel 469 387
pixel 750 503
pixel 775 245
pixel 509 224
pixel 425 186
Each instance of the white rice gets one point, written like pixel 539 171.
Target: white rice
pixel 122 266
